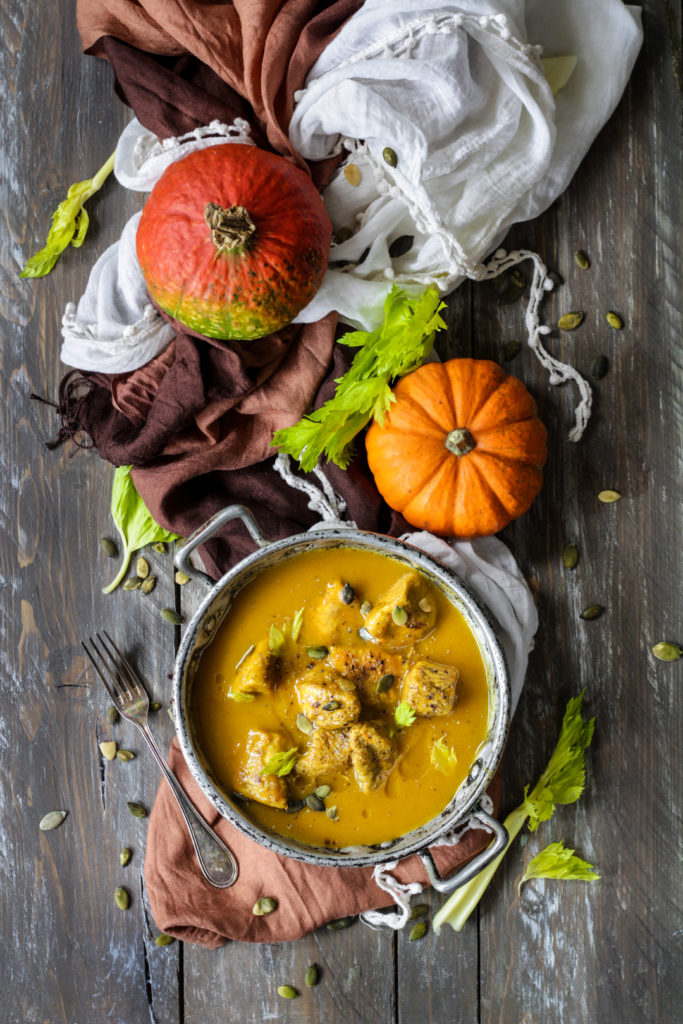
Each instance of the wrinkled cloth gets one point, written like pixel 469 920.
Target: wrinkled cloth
pixel 185 905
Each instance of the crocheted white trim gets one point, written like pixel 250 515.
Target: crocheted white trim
pixel 131 336
pixel 329 505
pixel 147 146
pixel 400 892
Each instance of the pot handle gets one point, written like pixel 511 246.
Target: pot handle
pixel 207 530
pixel 501 840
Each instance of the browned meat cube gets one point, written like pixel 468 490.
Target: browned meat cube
pixel 265 789
pixel 328 751
pixel 330 620
pixel 329 701
pixel 406 613
pixel 372 756
pixel 429 688
pixel 365 666
pixel 258 672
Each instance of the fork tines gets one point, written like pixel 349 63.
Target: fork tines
pixel 111 666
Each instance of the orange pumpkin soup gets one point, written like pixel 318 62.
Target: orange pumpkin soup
pixel 343 697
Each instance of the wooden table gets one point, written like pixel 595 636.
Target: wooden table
pixel 561 953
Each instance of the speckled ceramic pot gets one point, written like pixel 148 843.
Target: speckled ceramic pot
pixel 202 628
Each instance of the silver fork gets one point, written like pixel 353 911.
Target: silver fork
pixel 132 701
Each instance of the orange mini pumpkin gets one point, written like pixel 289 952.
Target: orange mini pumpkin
pixel 461 449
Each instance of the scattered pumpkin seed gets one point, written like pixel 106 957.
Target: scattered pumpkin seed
pixel 667 651
pixel 556 278
pixel 264 905
pixel 125 856
pixel 163 939
pixel 331 812
pixel 125 755
pixel 614 320
pixel 347 594
pixel 53 819
pixel 365 608
pixel 154 705
pixel 418 931
pixel 121 898
pixel 399 615
pixel 323 791
pixel 148 585
pixel 108 750
pixel 312 976
pixel 314 803
pixel 364 635
pixel 352 174
pixel 570 556
pixel 339 924
pixel 599 367
pixel 317 652
pixel 181 578
pixel 159 547
pixel 112 715
pixel 293 806
pixel 511 349
pixel 108 547
pixel 385 683
pixel 331 705
pixel 581 259
pixel 400 246
pixel 287 992
pixel 510 294
pixel 419 910
pixel 570 321
pixel 390 156
pixel 593 611
pixel 609 496
pixel 304 724
pixel 517 277
pixel 137 810
pixel 171 713
pixel 343 235
pixel 172 616
pixel 142 568
pixel 132 584
pixel 424 605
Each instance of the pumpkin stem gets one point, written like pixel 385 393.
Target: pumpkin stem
pixel 231 228
pixel 460 441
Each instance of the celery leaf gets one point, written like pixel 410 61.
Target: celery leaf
pixel 443 757
pixel 404 715
pixel 281 763
pixel 556 861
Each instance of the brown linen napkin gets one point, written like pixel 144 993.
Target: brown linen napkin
pixel 185 905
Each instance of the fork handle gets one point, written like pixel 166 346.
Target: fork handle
pixel 216 861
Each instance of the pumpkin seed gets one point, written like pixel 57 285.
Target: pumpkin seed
pixel 347 594
pixel 112 715
pixel 581 259
pixel 323 791
pixel 570 556
pixel 172 616
pixel 163 939
pixel 331 705
pixel 593 611
pixel 287 992
pixel 108 547
pixel 53 819
pixel 125 755
pixel 125 856
pixel 339 924
pixel 181 578
pixel 264 905
pixel 352 174
pixel 293 806
pixel 108 750
pixel 385 683
pixel 608 497
pixel 137 810
pixel 667 651
pixel 142 568
pixel 364 635
pixel 365 608
pixel 510 294
pixel 570 321
pixel 317 652
pixel 614 320
pixel 148 585
pixel 556 278
pixel 331 812
pixel 399 615
pixel 121 898
pixel 312 976
pixel 419 910
pixel 418 931
pixel 511 349
pixel 304 724
pixel 132 584
pixel 314 803
pixel 599 367
pixel 400 246
pixel 390 156
pixel 424 605
pixel 517 277
pixel 159 547
pixel 154 705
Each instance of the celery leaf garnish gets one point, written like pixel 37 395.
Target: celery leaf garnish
pixel 556 861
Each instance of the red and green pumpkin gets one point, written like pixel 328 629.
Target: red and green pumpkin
pixel 233 241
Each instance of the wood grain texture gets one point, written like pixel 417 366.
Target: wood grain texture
pixel 560 952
